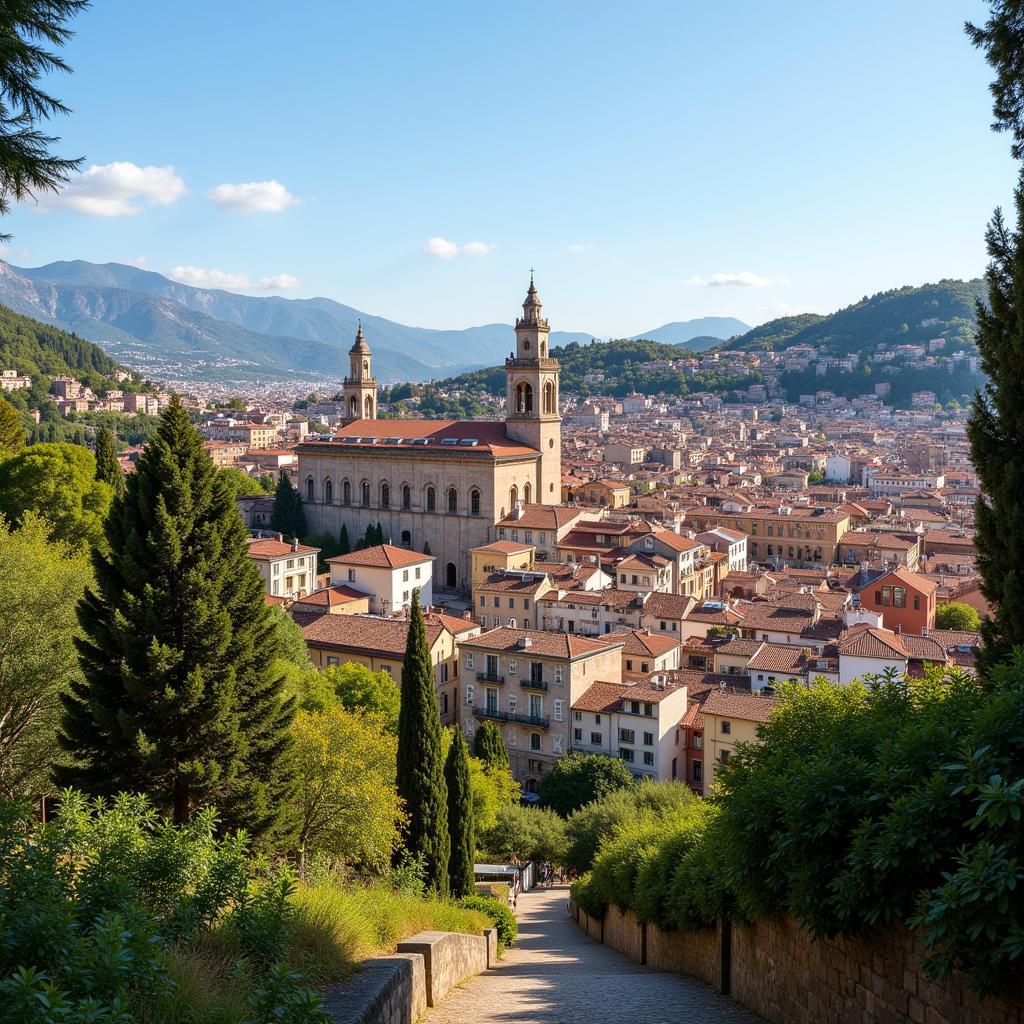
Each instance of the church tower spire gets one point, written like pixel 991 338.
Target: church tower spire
pixel 532 415
pixel 360 387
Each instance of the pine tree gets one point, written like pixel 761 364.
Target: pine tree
pixel 288 516
pixel 378 534
pixel 179 699
pixel 460 817
pixel 346 547
pixel 996 425
pixel 420 758
pixel 108 469
pixel 12 435
pixel 489 745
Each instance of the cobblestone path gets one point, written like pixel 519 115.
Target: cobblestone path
pixel 556 975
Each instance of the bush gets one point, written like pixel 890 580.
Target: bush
pixel 957 615
pixel 499 913
pixel 577 779
pixel 525 834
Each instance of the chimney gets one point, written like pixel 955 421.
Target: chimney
pixel 295 544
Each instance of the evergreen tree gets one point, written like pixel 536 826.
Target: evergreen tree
pixel 489 745
pixel 12 435
pixel 288 516
pixel 346 546
pixel 420 758
pixel 180 697
pixel 461 827
pixel 996 425
pixel 379 534
pixel 108 469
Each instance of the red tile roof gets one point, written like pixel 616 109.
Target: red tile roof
pixel 541 643
pixel 737 705
pixel 382 556
pixel 490 435
pixel 266 548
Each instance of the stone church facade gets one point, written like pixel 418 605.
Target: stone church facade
pixel 439 486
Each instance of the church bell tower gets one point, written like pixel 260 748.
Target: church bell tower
pixel 360 388
pixel 532 415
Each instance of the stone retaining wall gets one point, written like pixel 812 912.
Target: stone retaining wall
pixel 776 969
pixel 398 989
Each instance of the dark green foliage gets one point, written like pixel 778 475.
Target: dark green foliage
pixel 525 833
pixel 287 516
pixel 27 165
pixel 460 817
pixel 101 905
pixel 489 745
pixel 108 469
pixel 420 760
pixel 345 545
pixel 1002 39
pixel 12 434
pixel 577 779
pixel 995 430
pixel 498 911
pixel 957 615
pixel 182 699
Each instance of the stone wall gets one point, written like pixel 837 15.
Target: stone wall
pixel 776 969
pixel 398 989
pixel 448 958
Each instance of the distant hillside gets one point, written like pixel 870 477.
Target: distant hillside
pixel 902 315
pixel 177 330
pixel 702 333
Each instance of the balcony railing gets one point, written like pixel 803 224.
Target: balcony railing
pixel 489 677
pixel 533 684
pixel 540 721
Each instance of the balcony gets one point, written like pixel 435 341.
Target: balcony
pixel 533 684
pixel 538 721
pixel 489 677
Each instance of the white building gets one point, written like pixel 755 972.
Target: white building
pixel 288 570
pixel 388 574
pixel 11 380
pixel 729 542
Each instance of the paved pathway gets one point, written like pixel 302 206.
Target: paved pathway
pixel 556 975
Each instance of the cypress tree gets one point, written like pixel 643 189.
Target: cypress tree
pixel 288 516
pixel 345 546
pixel 378 534
pixel 489 745
pixel 178 698
pixel 996 425
pixel 420 758
pixel 461 829
pixel 108 469
pixel 12 435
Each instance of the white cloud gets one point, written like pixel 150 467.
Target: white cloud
pixel 117 190
pixel 445 250
pixel 579 248
pixel 200 277
pixel 252 197
pixel 744 279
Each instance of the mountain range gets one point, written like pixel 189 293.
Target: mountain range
pixel 173 330
pixel 700 334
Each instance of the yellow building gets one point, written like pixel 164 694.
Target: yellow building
pixel 500 554
pixel 730 718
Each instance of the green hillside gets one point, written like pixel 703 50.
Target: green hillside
pixel 900 316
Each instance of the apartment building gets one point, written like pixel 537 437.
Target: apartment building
pixel 288 570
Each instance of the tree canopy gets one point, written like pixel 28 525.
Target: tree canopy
pixel 577 779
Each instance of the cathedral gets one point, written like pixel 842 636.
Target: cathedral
pixel 439 486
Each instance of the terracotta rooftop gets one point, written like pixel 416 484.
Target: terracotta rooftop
pixel 641 642
pixel 266 548
pixel 381 556
pixel 541 644
pixel 368 634
pixel 600 698
pixel 871 642
pixel 430 436
pixel 737 705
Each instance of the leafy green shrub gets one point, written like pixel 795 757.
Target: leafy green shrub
pixel 578 779
pixel 499 913
pixel 526 834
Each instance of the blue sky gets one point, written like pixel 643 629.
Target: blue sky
pixel 654 161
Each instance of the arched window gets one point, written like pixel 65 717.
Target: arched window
pixel 309 490
pixel 406 497
pixel 527 494
pixel 453 500
pixel 451 576
pixel 549 397
pixel 385 496
pixel 328 491
pixel 474 502
pixel 353 407
pixel 406 540
pixel 513 496
pixel 369 407
pixel 365 496
pixel 524 397
pixel 431 499
pixel 346 493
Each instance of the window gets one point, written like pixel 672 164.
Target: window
pixel 474 502
pixel 723 757
pixel 536 672
pixel 899 597
pixel 469 659
pixel 406 497
pixel 513 700
pixel 698 771
pixel 385 496
pixel 332 660
pixel 648 757
pixel 405 575
pixel 536 706
pixel 626 754
pixel 648 739
pixel 328 491
pixel 596 739
pixel 558 675
pixel 346 493
pixel 626 735
pixel 577 716
pixel 629 664
pixel 597 719
pixel 365 498
pixel 309 489
pixel 577 735
pixel 453 501
pixel 469 694
pixel 648 709
pixel 431 499
pixel 511 623
pixel 698 741
pixel 513 667
pixel 444 703
pixel 917 603
pixel 497 602
pixel 386 668
pixel 726 728
pixel 351 575
pixel 511 602
pixel 418 572
pixel 535 741
pixel 491 699
pixel 557 712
